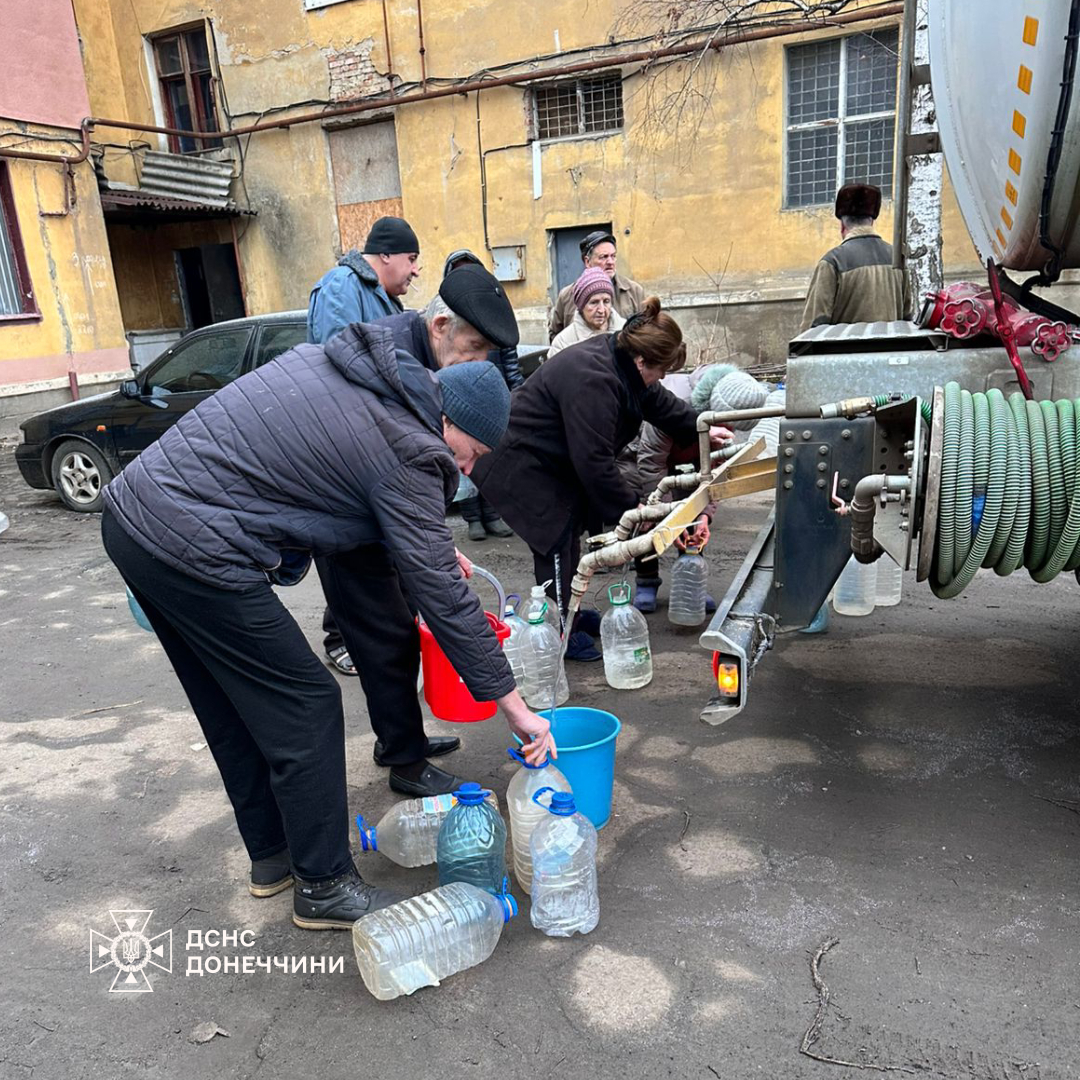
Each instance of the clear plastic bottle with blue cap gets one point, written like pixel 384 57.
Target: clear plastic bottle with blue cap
pixel 424 939
pixel 525 814
pixel 512 645
pixel 472 842
pixel 565 900
pixel 408 832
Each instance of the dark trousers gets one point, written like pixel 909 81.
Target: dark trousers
pixel 270 712
pixel 647 569
pixel 477 509
pixel 379 630
pixel 569 553
pixel 333 636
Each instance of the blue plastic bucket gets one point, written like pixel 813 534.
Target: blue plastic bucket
pixel 586 742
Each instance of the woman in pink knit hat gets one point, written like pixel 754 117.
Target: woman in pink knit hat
pixel 594 296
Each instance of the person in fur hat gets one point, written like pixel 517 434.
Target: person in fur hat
pixel 856 281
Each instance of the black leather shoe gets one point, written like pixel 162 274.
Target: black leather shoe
pixel 337 904
pixel 432 781
pixel 436 747
pixel 271 876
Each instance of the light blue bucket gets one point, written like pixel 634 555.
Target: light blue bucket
pixel 586 742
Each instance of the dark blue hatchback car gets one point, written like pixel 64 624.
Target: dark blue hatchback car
pixel 78 448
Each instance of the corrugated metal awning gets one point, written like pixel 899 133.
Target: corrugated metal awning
pixel 148 207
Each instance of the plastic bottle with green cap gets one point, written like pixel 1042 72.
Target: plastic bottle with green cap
pixel 542 663
pixel 565 899
pixel 472 842
pixel 427 938
pixel 624 634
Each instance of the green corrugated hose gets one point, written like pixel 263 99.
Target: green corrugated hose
pixel 881 400
pixel 1009 488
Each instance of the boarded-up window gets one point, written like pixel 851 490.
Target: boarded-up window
pixel 367 184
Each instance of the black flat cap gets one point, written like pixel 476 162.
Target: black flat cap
pixel 858 201
pixel 391 236
pixel 598 236
pixel 474 294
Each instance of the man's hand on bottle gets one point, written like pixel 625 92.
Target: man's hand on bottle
pixel 538 743
pixel 697 537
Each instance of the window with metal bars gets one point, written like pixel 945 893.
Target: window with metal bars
pixel 16 292
pixel 841 116
pixel 183 69
pixel 582 107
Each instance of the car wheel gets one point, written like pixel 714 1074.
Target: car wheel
pixel 79 474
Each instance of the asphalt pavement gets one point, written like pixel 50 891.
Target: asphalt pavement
pixel 900 800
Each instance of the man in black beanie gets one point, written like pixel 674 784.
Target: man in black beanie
pixel 856 281
pixel 367 285
pixel 362 287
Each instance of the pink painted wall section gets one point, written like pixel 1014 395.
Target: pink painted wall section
pixel 32 369
pixel 41 69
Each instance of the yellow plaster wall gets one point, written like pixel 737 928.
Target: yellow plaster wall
pixel 697 209
pixel 70 268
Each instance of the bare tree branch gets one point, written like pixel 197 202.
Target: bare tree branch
pixel 678 90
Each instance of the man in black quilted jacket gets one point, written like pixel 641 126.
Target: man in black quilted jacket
pixel 331 448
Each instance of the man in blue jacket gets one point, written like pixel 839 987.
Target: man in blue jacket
pixel 365 286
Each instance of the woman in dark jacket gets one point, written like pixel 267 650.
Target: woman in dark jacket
pixel 554 473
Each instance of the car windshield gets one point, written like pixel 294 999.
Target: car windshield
pixel 206 362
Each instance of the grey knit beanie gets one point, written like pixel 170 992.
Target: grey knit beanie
pixel 738 390
pixel 475 399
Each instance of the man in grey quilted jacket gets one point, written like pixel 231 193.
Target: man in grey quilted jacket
pixel 326 449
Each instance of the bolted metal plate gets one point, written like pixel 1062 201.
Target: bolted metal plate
pixel 813 542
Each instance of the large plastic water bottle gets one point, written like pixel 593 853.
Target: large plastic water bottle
pixel 540 601
pixel 564 895
pixel 689 587
pixel 525 814
pixel 855 588
pixel 419 941
pixel 890 582
pixel 624 634
pixel 542 664
pixel 472 842
pixel 512 645
pixel 408 832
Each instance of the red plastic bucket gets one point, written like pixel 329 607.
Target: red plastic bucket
pixel 447 696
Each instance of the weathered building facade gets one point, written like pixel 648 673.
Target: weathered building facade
pixel 60 321
pixel 507 128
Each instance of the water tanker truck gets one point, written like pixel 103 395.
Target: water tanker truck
pixel 950 443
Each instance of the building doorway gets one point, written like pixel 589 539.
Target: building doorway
pixel 209 284
pixel 564 246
